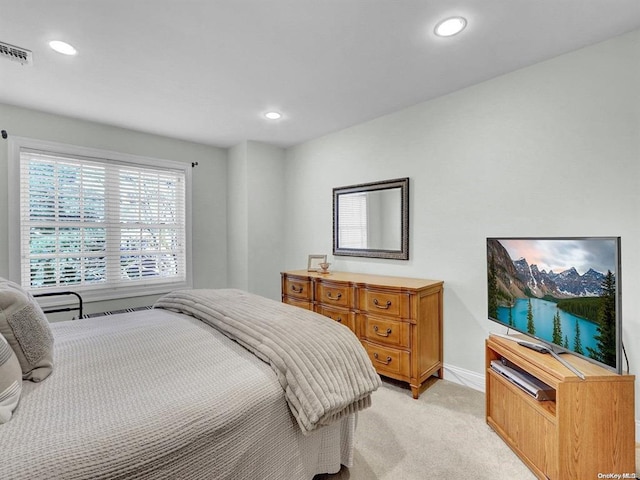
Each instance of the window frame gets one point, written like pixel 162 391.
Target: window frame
pixel 92 293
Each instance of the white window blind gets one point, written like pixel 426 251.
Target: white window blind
pixel 87 223
pixel 353 221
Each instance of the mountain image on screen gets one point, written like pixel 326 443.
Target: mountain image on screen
pixel 562 291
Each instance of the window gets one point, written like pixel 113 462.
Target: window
pixel 353 221
pixel 99 222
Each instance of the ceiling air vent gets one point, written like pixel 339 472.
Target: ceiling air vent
pixel 17 54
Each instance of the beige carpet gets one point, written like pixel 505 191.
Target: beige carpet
pixel 443 434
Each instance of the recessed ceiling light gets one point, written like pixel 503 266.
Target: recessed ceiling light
pixel 62 47
pixel 273 115
pixel 450 26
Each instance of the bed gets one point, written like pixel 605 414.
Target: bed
pixel 191 389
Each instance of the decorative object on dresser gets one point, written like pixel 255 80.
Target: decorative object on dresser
pixel 579 428
pixel 398 320
pixel 324 267
pixel 314 262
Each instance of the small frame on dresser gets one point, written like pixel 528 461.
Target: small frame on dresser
pixel 314 262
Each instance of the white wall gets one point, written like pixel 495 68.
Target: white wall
pixel 209 239
pixel 237 218
pixel 256 217
pixel 266 218
pixel 550 150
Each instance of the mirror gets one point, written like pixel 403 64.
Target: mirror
pixel 372 220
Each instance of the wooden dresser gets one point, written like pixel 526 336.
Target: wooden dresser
pixel 398 320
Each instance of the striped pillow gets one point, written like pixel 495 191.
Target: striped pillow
pixel 10 380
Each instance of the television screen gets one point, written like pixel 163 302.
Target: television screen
pixel 562 291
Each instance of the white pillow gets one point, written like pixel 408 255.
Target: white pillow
pixel 26 328
pixel 10 381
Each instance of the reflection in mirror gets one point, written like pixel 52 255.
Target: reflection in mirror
pixel 371 220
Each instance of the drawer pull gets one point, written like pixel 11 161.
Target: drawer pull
pixel 387 362
pixel 331 297
pixel 338 319
pixel 297 289
pixel 377 330
pixel 383 307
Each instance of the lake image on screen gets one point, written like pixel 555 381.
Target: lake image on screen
pixel 562 291
pixel 544 311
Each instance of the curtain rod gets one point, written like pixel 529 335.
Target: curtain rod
pixel 5 135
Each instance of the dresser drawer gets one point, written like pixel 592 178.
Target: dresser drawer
pixel 297 287
pixel 384 330
pixel 340 315
pixel 384 303
pixel 389 361
pixel 333 294
pixel 298 303
pixel 398 320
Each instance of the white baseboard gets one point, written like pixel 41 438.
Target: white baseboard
pixel 464 377
pixel 476 381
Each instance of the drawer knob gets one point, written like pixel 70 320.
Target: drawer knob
pixel 377 359
pixel 384 307
pixel 339 319
pixel 296 288
pixel 331 297
pixel 382 334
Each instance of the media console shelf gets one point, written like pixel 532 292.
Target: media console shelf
pixel 587 430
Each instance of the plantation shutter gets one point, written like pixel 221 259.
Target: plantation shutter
pixel 87 222
pixel 353 221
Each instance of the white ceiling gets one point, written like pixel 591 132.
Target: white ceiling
pixel 207 70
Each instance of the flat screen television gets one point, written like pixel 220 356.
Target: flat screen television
pixel 564 292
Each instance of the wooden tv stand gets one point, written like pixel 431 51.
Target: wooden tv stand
pixel 587 430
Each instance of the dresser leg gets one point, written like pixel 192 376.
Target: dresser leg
pixel 415 391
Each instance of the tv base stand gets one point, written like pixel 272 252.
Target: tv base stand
pixel 541 348
pixel 587 430
pixel 567 364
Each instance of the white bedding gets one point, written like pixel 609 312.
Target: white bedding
pixel 324 370
pixel 157 394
